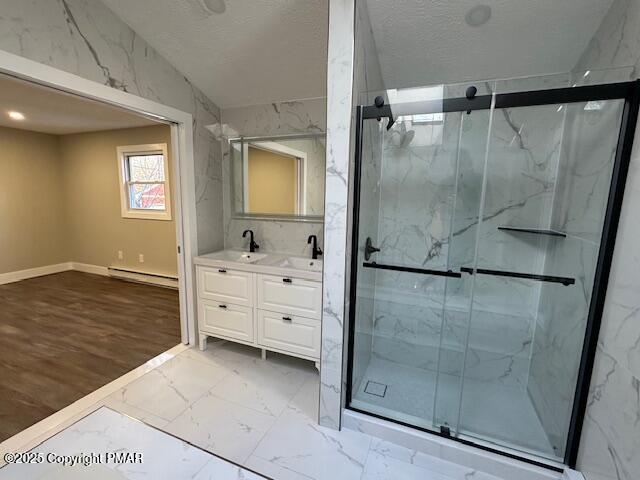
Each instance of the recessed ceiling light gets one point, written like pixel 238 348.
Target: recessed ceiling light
pixel 13 115
pixel 214 6
pixel 478 15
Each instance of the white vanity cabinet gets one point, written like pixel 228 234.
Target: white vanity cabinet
pixel 289 295
pixel 263 308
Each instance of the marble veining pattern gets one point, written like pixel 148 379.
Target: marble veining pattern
pixel 260 414
pixel 339 111
pixel 283 118
pixel 85 38
pixel 106 430
pixel 611 432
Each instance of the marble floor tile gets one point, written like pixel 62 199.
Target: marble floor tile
pixel 264 416
pixel 215 469
pixel 105 431
pixel 381 467
pixel 224 350
pixel 385 456
pixel 168 390
pixel 298 444
pixel 134 412
pixel 265 386
pixel 221 427
pixel 273 470
pixel 307 399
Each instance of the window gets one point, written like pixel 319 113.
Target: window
pixel 427 128
pixel 144 182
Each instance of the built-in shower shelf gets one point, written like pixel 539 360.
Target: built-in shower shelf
pixel 535 231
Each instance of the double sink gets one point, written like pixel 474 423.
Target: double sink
pixel 275 263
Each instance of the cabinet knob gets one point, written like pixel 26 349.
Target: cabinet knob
pixel 286 319
pixel 286 280
pixel 222 270
pixel 223 306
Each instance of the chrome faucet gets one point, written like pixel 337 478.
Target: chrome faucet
pixel 253 246
pixel 316 250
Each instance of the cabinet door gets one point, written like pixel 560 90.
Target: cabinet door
pixel 224 285
pixel 226 320
pixel 289 333
pixel 290 295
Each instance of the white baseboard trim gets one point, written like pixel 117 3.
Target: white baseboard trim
pixel 88 268
pixel 11 277
pixel 143 277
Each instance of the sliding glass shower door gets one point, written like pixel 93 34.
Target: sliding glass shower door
pixel 418 210
pixel 481 225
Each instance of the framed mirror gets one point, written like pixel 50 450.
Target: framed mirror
pixel 278 177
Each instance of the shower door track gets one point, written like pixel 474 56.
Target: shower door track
pixel 627 91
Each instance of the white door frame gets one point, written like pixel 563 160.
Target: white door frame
pixel 182 151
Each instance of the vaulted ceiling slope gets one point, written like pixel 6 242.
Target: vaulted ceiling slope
pixel 256 51
pixel 423 42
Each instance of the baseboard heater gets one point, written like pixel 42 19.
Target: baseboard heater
pixel 169 281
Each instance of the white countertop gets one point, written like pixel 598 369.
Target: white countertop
pixel 270 263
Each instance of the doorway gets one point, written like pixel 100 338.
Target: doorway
pixel 80 308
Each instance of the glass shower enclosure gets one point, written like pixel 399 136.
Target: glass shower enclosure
pixel 484 224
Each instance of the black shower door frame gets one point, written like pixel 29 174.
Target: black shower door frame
pixel 627 91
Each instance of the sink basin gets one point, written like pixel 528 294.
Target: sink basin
pixel 238 257
pixel 299 263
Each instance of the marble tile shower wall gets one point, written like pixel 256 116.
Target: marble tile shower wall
pixel 611 433
pixel 588 151
pixel 430 197
pixel 85 38
pixel 282 118
pixel 340 75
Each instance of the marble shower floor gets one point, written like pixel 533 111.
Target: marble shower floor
pixel 259 414
pixel 409 397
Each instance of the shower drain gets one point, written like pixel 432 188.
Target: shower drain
pixel 375 388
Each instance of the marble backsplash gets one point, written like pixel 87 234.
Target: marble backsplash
pixel 303 116
pixel 85 38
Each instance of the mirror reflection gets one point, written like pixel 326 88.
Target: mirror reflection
pixel 278 176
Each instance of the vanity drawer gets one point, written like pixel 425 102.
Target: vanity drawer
pixel 290 295
pixel 289 333
pixel 224 285
pixel 226 320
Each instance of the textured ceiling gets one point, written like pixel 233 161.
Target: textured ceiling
pixel 423 42
pixel 257 51
pixel 50 111
pixel 261 51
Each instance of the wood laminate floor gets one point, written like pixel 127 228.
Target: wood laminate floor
pixel 63 336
